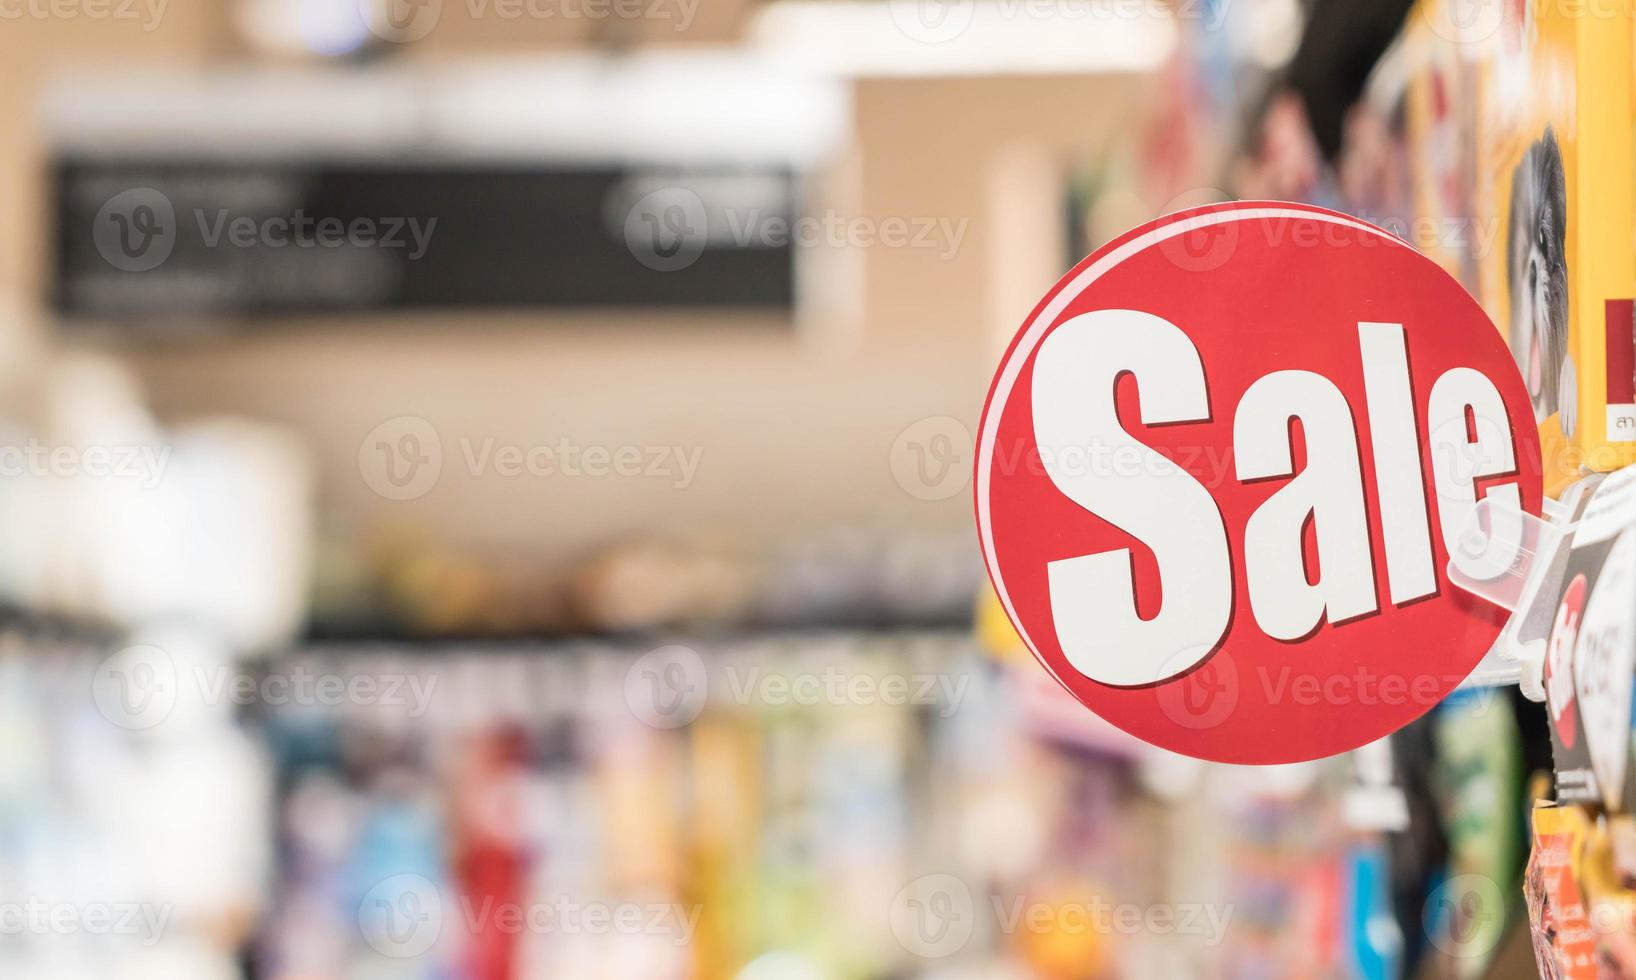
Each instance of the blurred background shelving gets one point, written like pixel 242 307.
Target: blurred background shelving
pixel 606 549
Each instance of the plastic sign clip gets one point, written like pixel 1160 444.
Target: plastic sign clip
pixel 1516 561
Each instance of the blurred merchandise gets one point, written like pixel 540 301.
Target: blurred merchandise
pixel 1510 114
pixel 539 780
pixel 109 518
pixel 1557 908
pixel 279 715
pixel 1479 790
pixel 116 859
pixel 401 582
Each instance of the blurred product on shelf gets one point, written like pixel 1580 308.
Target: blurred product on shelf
pixel 111 518
pixel 1498 140
pixel 647 585
pixel 752 813
pixel 134 838
pixel 275 723
pixel 1478 788
pixel 401 582
pixel 1442 101
pixel 1520 119
pixel 1564 941
pixel 1584 860
pixel 141 565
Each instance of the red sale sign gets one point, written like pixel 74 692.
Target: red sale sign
pixel 1221 469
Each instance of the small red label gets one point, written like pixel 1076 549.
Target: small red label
pixel 1559 669
pixel 1621 346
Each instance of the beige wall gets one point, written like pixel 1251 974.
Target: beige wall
pixel 31 50
pixel 787 436
pixel 793 425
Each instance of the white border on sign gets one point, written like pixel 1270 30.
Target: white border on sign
pixel 1040 324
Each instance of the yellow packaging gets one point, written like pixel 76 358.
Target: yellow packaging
pixel 1555 181
pixel 995 634
pixel 1553 887
pixel 1440 112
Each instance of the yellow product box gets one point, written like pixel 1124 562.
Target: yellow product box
pixel 1556 168
pixel 1440 123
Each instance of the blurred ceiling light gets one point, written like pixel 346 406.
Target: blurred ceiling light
pixel 662 106
pixel 331 28
pixel 1275 32
pixel 671 108
pixel 968 37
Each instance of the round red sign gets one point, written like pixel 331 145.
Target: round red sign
pixel 1220 470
